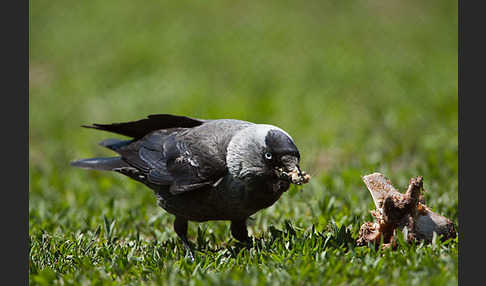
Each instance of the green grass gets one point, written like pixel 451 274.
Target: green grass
pixel 362 86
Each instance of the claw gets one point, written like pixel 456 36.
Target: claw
pixel 188 248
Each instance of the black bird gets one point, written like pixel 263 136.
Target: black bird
pixel 203 170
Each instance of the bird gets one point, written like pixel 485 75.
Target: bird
pixel 204 169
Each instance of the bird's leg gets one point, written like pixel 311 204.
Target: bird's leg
pixel 239 231
pixel 180 227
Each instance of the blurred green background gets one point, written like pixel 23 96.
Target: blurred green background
pixel 362 86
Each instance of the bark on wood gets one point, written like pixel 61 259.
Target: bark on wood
pixel 395 210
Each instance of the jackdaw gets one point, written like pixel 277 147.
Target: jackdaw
pixel 202 170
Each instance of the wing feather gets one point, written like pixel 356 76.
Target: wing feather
pixel 179 153
pixel 138 129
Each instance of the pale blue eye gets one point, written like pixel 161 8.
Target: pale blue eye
pixel 268 156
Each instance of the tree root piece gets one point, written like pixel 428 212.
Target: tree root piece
pixel 407 212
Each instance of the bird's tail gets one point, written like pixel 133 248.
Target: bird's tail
pixel 104 164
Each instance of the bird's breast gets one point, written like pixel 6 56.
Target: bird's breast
pixel 229 200
pixel 244 198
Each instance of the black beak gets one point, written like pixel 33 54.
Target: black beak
pixel 287 166
pixel 298 170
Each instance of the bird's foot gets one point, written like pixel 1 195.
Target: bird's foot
pixel 191 255
pixel 188 248
pixel 248 242
pixel 189 252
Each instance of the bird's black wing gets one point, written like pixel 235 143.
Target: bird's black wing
pixel 196 157
pixel 194 162
pixel 173 158
pixel 183 159
pixel 138 129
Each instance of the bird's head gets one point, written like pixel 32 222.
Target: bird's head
pixel 264 151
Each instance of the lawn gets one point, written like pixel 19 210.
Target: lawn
pixel 362 86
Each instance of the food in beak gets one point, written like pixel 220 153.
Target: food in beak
pixel 295 176
pixel 291 171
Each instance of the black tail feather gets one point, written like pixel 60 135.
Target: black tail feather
pixel 104 164
pixel 114 144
